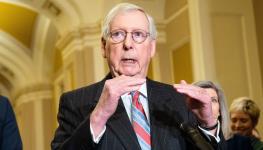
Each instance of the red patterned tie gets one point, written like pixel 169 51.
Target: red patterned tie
pixel 140 123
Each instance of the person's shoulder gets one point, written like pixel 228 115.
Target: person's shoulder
pixel 241 137
pixel 3 98
pixel 86 94
pixel 4 101
pixel 5 107
pixel 238 139
pixel 86 88
pixel 157 84
pixel 163 87
pixel 256 143
pixel 239 142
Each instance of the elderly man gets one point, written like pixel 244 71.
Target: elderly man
pixel 126 110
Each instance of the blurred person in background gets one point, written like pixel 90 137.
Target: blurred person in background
pixel 219 107
pixel 9 134
pixel 244 115
pixel 220 112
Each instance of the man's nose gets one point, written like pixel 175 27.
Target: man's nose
pixel 128 42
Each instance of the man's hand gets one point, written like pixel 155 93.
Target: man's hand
pixel 109 99
pixel 199 102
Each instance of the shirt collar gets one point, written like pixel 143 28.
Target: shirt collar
pixel 142 90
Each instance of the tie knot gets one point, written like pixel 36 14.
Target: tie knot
pixel 135 96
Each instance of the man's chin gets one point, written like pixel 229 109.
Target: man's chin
pixel 129 73
pixel 125 71
pixel 132 72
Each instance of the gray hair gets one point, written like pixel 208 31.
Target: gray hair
pixel 247 106
pixel 224 117
pixel 126 7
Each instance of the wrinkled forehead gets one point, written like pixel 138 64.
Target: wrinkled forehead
pixel 132 19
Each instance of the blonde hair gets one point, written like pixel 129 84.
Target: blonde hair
pixel 248 106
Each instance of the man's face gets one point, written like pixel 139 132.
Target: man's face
pixel 128 57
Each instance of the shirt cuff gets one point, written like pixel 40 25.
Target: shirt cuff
pixel 97 139
pixel 217 138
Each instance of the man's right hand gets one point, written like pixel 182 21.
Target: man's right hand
pixel 109 99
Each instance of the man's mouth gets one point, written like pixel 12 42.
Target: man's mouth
pixel 128 60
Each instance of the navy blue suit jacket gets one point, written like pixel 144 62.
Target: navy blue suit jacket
pixel 9 134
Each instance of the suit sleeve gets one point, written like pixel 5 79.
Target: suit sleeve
pixel 10 138
pixel 73 131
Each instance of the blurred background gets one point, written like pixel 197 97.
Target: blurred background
pixel 51 46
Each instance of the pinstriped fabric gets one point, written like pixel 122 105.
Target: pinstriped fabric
pixel 139 122
pixel 76 106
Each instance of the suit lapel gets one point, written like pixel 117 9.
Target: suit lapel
pixel 121 126
pixel 157 130
pixel 152 100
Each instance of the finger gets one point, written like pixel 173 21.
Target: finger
pixel 186 86
pixel 131 89
pixel 123 84
pixel 130 81
pixel 198 95
pixel 183 82
pixel 132 85
pixel 191 93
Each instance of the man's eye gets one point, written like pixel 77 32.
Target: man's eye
pixel 138 34
pixel 117 34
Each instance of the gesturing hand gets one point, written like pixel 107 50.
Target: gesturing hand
pixel 109 98
pixel 199 102
pixel 113 89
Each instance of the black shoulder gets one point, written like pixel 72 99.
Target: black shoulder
pixel 4 100
pixel 83 96
pixel 159 85
pixel 163 87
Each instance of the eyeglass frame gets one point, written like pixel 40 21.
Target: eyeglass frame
pixel 146 35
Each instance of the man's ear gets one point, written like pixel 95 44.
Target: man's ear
pixel 103 47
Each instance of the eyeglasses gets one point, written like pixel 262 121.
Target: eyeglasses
pixel 138 36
